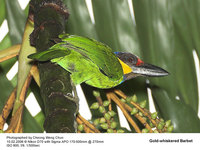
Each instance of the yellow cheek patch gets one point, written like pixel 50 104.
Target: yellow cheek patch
pixel 125 67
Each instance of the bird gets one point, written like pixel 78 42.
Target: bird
pixel 95 63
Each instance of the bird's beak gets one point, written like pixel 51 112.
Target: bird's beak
pixel 149 70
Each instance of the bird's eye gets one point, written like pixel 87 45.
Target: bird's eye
pixel 130 60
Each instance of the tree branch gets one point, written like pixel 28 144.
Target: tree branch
pixel 49 21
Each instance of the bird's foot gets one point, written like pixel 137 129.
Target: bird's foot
pixel 71 96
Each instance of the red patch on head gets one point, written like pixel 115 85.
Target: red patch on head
pixel 139 62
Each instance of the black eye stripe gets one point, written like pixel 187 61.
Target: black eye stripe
pixel 127 58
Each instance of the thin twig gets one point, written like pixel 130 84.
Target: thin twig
pixel 86 128
pixel 15 125
pixel 120 93
pixel 22 96
pixel 99 100
pixel 79 117
pixel 35 73
pixel 144 111
pixel 113 97
pixel 110 105
pixel 9 53
pixel 139 118
pixel 7 108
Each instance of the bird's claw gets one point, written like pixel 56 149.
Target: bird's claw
pixel 71 97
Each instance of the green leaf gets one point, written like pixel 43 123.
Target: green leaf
pixel 2 11
pixel 79 21
pixel 6 42
pixel 183 118
pixel 186 28
pixel 36 91
pixel 40 118
pixel 187 12
pixel 30 125
pixel 16 20
pixel 114 25
pixel 155 38
pixel 24 63
pixel 162 45
pixel 5 85
pixel 6 89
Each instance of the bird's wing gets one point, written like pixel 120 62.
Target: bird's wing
pixel 54 52
pixel 97 52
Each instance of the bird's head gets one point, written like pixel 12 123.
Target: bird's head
pixel 132 67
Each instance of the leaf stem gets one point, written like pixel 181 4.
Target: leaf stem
pixel 10 52
pixel 143 110
pixel 7 108
pixel 82 120
pixel 112 96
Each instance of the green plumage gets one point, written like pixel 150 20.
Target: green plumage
pixel 86 59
